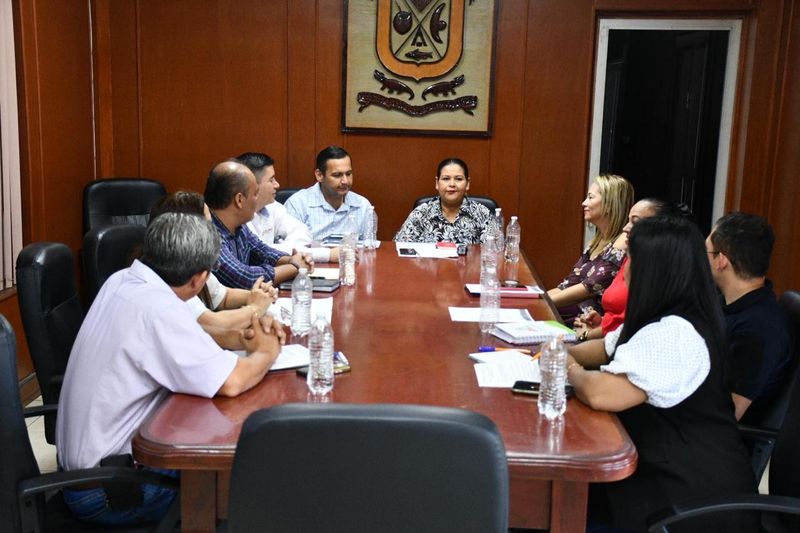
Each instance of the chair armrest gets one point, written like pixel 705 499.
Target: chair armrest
pixel 100 474
pixel 40 410
pixel 755 432
pixel 28 490
pixel 658 522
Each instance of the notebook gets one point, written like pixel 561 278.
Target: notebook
pixel 525 291
pixel 532 332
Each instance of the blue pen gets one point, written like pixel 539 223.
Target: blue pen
pixel 341 357
pixel 495 349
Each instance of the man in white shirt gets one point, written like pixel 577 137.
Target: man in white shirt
pixel 272 223
pixel 139 342
pixel 326 206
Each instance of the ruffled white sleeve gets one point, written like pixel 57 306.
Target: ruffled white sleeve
pixel 668 360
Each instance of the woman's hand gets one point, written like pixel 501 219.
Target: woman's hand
pixel 588 320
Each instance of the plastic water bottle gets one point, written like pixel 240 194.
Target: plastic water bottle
pixel 320 350
pixel 498 229
pixel 488 256
pixel 374 234
pixel 512 241
pixel 512 250
pixel 302 287
pixel 370 229
pixel 553 366
pixel 347 260
pixel 490 300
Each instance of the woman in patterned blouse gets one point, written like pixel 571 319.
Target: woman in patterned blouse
pixel 606 207
pixel 452 217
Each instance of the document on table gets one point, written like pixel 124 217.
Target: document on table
pixel 291 356
pixel 424 249
pixel 473 314
pixel 282 309
pixel 506 373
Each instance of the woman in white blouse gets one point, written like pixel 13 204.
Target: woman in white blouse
pixel 662 372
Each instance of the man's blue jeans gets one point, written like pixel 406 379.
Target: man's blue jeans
pixel 92 505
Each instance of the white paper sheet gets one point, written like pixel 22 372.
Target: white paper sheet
pixel 473 314
pixel 505 374
pixel 291 356
pixel 500 357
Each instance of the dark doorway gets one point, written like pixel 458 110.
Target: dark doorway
pixel 661 114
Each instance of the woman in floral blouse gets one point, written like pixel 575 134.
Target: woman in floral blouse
pixel 452 217
pixel 606 207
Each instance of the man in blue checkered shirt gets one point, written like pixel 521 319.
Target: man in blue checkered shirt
pixel 327 206
pixel 231 195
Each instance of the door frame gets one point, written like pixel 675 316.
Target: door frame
pixel 734 27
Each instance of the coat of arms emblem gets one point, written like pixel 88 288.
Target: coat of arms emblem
pixel 420 38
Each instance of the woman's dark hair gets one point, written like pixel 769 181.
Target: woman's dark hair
pixel 178 202
pixel 668 207
pixel 670 275
pixel 452 161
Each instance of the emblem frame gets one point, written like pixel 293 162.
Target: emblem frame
pixel 436 88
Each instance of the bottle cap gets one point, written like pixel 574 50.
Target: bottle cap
pixel 302 271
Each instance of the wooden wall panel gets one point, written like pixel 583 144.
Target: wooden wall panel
pixel 301 80
pixel 505 170
pixel 553 162
pixel 56 103
pixel 211 85
pixel 784 212
pixel 124 109
pixel 54 74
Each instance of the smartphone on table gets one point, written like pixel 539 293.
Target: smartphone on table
pixel 531 388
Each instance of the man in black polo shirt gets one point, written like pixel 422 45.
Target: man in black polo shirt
pixel 759 336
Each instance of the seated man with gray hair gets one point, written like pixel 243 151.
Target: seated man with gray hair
pixel 138 343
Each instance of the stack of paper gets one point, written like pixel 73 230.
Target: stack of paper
pixel 503 368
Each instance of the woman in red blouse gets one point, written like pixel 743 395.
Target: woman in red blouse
pixel 594 325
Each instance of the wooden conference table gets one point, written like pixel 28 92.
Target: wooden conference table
pixel 395 329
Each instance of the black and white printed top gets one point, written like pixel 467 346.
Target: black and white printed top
pixel 427 223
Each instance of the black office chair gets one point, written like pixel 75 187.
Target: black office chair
pixel 485 200
pixel 107 250
pixel 113 201
pixel 283 194
pixel 760 434
pixel 366 468
pixel 780 509
pixel 31 501
pixel 51 315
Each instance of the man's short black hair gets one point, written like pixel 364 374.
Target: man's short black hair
pixel 747 241
pixel 331 152
pixel 255 161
